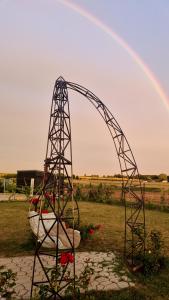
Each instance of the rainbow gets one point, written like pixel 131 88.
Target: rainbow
pixel 136 58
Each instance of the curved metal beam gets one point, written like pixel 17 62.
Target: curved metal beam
pixel 132 193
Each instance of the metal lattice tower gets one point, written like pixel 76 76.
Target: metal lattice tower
pixel 57 195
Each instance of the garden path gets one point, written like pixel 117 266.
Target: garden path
pixel 105 277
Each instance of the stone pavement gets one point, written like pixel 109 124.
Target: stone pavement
pixel 105 276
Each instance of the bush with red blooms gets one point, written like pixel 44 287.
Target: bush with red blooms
pixel 35 202
pixel 47 199
pixel 87 231
pixel 65 258
pixel 91 231
pixel 62 274
pixel 50 197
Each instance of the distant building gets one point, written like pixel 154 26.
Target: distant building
pixel 23 178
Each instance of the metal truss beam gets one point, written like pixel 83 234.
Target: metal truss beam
pixel 57 196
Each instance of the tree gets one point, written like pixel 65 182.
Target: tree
pixel 162 177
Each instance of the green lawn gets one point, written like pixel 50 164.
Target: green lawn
pixel 15 235
pixel 16 239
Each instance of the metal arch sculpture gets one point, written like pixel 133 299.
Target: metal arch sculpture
pixel 132 193
pixel 57 194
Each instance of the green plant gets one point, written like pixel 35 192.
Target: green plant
pixel 7 282
pixel 78 193
pixel 80 284
pixel 43 292
pixel 10 186
pixel 153 259
pixel 156 242
pixel 26 191
pixel 86 231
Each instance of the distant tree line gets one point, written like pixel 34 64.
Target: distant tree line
pixel 7 175
pixel 154 177
pixel 160 177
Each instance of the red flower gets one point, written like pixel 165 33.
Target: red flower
pixel 91 231
pixel 71 257
pixel 63 259
pixel 34 201
pixel 66 258
pixel 44 211
pixel 49 197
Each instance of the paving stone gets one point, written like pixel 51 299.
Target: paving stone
pixel 123 284
pixel 104 274
pixel 125 278
pixel 113 278
pixel 112 286
pixel 131 284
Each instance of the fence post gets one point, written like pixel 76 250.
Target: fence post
pixel 32 186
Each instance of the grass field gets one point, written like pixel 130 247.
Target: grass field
pixel 16 239
pixel 117 182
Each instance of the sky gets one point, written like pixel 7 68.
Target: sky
pixel 44 39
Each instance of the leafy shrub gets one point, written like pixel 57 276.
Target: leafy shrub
pixel 78 194
pixel 153 259
pixel 81 282
pixel 7 282
pixel 86 231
